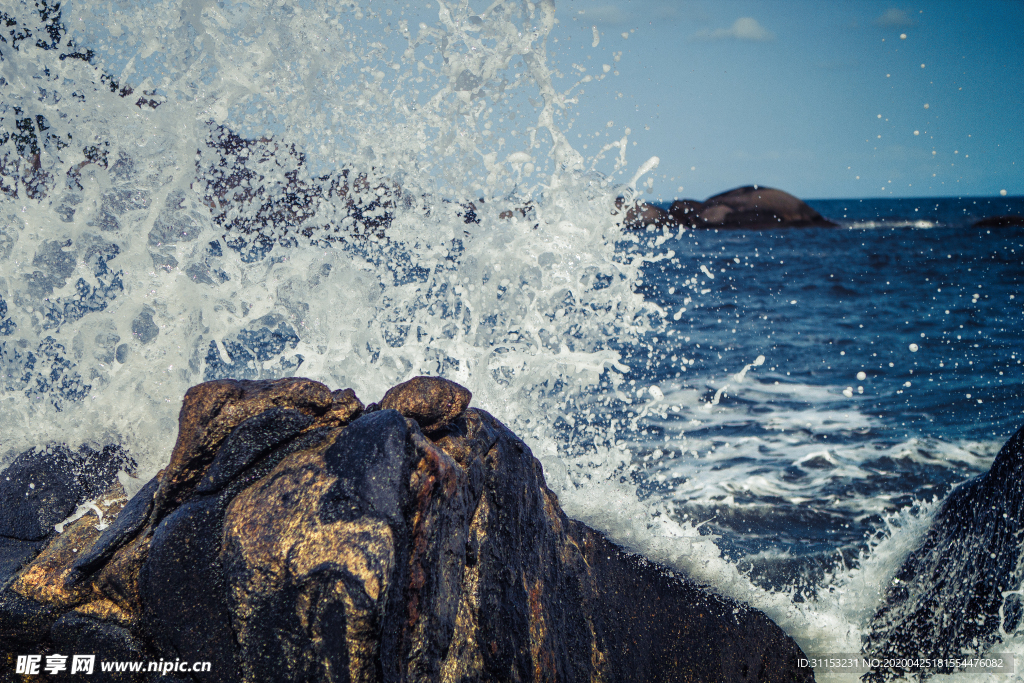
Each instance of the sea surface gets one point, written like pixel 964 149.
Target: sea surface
pixel 892 371
pixel 194 191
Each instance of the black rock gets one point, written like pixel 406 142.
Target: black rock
pixel 1000 222
pixel 41 488
pixel 371 462
pixel 127 523
pixel 14 554
pixel 250 441
pixel 184 601
pixel 305 547
pixel 78 634
pixel 185 598
pixel 947 595
pixel 23 621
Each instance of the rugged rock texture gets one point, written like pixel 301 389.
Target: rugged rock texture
pixel 296 536
pixel 38 490
pixel 42 487
pixel 432 404
pixel 948 596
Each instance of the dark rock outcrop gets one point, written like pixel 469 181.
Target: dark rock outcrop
pixel 756 207
pixel 752 207
pixel 684 211
pixel 954 592
pixel 1000 222
pixel 295 536
pixel 38 490
pixel 42 487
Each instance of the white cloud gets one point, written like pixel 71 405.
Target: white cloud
pixel 744 28
pixel 895 18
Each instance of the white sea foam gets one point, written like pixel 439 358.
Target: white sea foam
pixel 869 225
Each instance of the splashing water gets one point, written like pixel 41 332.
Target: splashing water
pixel 292 194
pixel 352 192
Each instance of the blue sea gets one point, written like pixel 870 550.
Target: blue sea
pixel 892 371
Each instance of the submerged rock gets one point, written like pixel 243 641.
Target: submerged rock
pixel 1000 222
pixel 958 592
pixel 295 536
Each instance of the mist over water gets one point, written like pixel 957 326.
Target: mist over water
pixel 360 193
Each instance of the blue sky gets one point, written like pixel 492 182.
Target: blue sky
pixel 821 99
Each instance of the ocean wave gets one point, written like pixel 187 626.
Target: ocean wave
pixel 894 223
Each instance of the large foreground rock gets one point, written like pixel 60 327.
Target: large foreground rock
pixel 957 591
pixel 296 536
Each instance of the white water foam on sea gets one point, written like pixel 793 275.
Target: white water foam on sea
pixel 868 225
pixel 129 273
pixel 743 443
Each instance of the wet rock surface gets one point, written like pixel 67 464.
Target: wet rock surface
pixel 960 587
pixel 295 536
pixel 430 401
pixel 42 487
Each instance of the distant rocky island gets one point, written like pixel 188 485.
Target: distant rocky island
pixel 752 207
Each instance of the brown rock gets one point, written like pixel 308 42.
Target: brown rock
pixel 118 580
pixel 341 549
pixel 685 211
pixel 758 207
pixel 432 402
pixel 303 555
pixel 211 410
pixel 345 407
pixel 43 580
